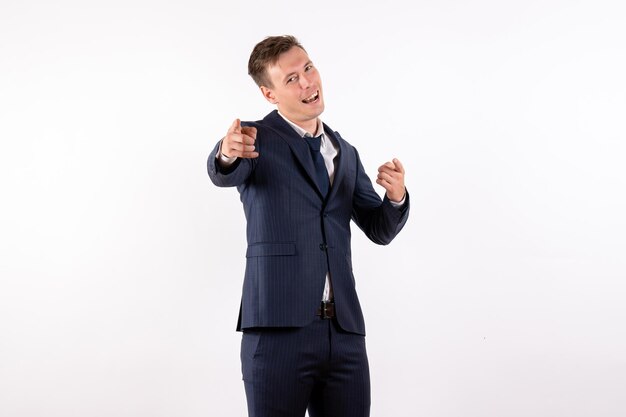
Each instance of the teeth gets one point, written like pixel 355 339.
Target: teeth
pixel 311 98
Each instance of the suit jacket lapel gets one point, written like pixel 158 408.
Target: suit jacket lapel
pixel 339 165
pixel 298 146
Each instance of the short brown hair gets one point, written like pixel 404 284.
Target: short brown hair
pixel 266 53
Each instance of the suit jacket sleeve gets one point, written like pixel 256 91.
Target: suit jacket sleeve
pixel 379 219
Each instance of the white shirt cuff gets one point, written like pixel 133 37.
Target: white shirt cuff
pixel 399 204
pixel 224 161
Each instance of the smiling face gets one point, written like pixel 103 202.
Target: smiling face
pixel 296 88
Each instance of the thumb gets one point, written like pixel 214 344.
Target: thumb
pixel 398 164
pixel 235 127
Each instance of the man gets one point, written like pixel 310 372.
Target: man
pixel 301 183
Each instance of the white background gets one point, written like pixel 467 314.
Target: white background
pixel 121 264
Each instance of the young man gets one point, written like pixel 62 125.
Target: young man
pixel 301 183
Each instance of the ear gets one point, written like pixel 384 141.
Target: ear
pixel 268 94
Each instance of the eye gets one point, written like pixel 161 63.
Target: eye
pixel 308 67
pixel 292 79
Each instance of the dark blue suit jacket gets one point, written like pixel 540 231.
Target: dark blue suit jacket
pixel 295 235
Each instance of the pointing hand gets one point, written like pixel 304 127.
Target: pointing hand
pixel 391 178
pixel 239 141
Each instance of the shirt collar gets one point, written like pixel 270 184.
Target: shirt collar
pixel 302 132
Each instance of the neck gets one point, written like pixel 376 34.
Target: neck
pixel 308 125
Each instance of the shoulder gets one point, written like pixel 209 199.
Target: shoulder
pixel 271 119
pixel 266 126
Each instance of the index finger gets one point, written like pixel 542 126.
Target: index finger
pixel 235 127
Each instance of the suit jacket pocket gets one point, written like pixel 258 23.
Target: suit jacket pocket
pixel 271 249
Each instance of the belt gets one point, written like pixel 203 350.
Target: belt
pixel 326 310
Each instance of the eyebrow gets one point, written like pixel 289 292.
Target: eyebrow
pixel 291 74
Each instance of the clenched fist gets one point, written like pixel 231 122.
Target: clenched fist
pixel 239 141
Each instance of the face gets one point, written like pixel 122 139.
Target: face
pixel 296 88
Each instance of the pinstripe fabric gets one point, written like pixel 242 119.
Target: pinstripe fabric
pixel 295 236
pixel 319 367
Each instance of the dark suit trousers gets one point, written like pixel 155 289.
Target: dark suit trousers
pixel 319 367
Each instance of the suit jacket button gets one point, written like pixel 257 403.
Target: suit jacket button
pixel 323 246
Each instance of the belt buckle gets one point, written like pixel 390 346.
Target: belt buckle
pixel 324 310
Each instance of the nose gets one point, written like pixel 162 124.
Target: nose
pixel 304 81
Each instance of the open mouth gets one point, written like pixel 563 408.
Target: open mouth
pixel 314 97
